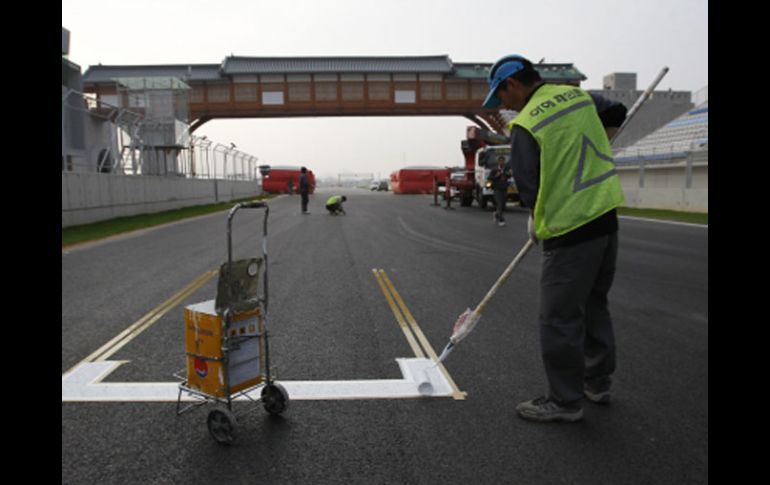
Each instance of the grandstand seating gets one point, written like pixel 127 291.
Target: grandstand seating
pixel 676 139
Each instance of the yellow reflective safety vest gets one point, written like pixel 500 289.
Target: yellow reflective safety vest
pixel 578 181
pixel 334 199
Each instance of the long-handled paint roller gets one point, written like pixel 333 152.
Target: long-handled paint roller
pixel 469 319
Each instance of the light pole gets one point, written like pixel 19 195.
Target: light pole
pixel 223 149
pixel 232 151
pixel 205 143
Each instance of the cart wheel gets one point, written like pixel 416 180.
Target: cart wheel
pixel 221 423
pixel 275 399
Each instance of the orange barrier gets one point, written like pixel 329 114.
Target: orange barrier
pixel 416 180
pixel 277 181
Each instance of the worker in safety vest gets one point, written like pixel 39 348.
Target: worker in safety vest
pixel 563 166
pixel 334 204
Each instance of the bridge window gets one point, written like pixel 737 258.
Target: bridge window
pixel 479 90
pixel 379 91
pixel 325 91
pixel 272 93
pixel 299 92
pixel 272 97
pixel 405 96
pixel 246 92
pixel 456 91
pixel 352 91
pixel 298 87
pixel 430 91
pixel 197 94
pixel 219 93
pixel 405 92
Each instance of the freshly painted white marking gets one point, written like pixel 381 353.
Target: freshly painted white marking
pixel 83 384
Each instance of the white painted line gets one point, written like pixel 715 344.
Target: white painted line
pixel 661 221
pixel 83 384
pixel 123 338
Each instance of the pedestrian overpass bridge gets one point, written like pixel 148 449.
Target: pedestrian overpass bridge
pixel 274 87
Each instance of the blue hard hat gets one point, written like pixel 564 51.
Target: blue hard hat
pixel 501 70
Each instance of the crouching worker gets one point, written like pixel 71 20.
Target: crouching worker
pixel 334 204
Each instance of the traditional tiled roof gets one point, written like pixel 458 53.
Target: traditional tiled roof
pixel 237 65
pixel 387 64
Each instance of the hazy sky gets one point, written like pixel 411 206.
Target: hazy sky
pixel 598 36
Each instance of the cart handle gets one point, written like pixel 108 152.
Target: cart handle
pixel 254 204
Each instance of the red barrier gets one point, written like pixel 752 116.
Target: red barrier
pixel 277 181
pixel 416 180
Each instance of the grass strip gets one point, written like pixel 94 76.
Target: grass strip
pixel 102 229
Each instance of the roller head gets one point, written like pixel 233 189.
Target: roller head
pixel 464 324
pixel 424 387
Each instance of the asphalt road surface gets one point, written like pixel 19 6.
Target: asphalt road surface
pixel 330 320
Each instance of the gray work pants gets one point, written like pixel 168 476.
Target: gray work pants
pixel 501 197
pixel 576 337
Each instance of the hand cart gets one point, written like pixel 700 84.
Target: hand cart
pixel 226 342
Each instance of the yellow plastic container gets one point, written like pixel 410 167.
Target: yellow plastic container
pixel 204 341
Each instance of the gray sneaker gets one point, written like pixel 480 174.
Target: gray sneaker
pixel 598 397
pixel 544 409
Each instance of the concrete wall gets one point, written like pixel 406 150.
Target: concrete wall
pixel 92 197
pixel 673 186
pixel 686 200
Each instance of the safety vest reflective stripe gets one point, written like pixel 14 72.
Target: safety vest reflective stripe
pixel 558 115
pixel 581 165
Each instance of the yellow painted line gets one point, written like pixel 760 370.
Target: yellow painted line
pixel 457 394
pixel 409 338
pixel 123 338
pixel 409 318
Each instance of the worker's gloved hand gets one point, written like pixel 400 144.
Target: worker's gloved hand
pixel 531 229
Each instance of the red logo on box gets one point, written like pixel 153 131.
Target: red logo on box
pixel 201 368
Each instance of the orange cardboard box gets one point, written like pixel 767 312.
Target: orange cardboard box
pixel 203 346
